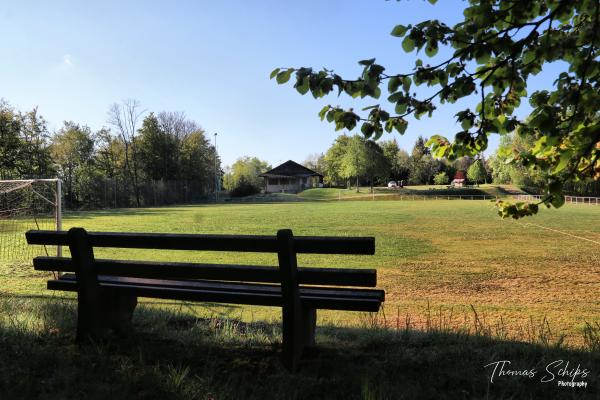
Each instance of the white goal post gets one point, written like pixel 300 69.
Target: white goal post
pixel 28 204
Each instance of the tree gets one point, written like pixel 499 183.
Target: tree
pixel 110 154
pixel 498 46
pixel 10 141
pixel 403 165
pixel 333 159
pixel 158 150
pixel 363 158
pixel 248 169
pixel 503 171
pixel 72 149
pixel 124 118
pixel 422 165
pixel 24 147
pixel 420 149
pixel 197 159
pixel 35 158
pixel 378 166
pixel 395 156
pixel 441 178
pixel 476 172
pixel 316 162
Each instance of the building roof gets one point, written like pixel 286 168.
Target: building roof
pixel 459 175
pixel 288 169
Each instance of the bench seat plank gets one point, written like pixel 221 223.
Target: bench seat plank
pixel 255 294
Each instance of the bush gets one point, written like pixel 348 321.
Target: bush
pixel 244 188
pixel 441 179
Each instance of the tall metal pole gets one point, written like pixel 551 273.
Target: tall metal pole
pixel 216 176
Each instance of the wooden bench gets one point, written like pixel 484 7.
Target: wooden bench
pixel 107 290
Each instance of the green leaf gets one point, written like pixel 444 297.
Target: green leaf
pixel 408 44
pixel 528 57
pixel 558 200
pixel 393 84
pixel 323 112
pixel 401 108
pixel 367 129
pixel 466 124
pixel 399 30
pixel 565 157
pixel 376 93
pixel 303 87
pixel 284 76
pixel 401 126
pixel 274 72
pixel 367 62
pixel 483 57
pixel 431 50
pixel 395 97
pixel 406 82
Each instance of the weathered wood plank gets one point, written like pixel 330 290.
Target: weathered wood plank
pixel 322 302
pixel 241 243
pixel 314 291
pixel 249 273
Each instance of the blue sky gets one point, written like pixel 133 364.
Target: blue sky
pixel 211 60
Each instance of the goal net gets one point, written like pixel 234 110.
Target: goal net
pixel 25 205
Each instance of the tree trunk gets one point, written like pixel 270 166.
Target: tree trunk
pixel 357 188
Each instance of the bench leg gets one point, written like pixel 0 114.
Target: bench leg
pixel 119 312
pixel 90 323
pixel 110 311
pixel 309 324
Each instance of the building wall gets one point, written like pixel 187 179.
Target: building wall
pixel 289 185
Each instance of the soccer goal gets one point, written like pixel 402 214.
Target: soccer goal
pixel 24 205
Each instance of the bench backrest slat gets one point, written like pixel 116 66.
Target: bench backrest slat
pixel 242 243
pixel 250 273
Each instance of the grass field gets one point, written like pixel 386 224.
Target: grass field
pixel 432 256
pixel 451 269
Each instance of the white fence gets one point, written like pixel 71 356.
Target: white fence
pixel 418 196
pixel 593 201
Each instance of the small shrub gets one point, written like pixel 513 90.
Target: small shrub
pixel 244 188
pixel 441 179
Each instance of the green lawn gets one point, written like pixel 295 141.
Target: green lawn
pixel 461 286
pixel 450 256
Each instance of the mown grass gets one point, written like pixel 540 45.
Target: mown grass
pixel 449 254
pixel 173 354
pixel 463 289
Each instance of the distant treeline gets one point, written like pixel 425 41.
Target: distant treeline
pixel 138 159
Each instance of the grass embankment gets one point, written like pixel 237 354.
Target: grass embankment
pixel 429 191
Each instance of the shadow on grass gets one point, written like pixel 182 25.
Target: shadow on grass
pixel 175 355
pixel 91 214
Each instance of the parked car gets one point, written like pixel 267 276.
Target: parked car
pixel 392 184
